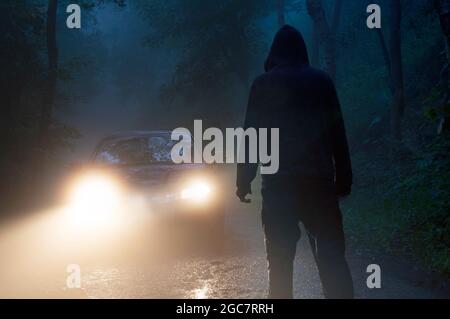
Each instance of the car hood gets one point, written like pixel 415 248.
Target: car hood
pixel 156 175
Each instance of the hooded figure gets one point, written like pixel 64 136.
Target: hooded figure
pixel 314 166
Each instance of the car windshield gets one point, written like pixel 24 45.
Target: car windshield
pixel 135 150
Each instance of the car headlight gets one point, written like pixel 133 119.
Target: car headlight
pixel 94 205
pixel 94 194
pixel 199 191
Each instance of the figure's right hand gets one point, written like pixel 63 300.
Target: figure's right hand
pixel 242 195
pixel 343 189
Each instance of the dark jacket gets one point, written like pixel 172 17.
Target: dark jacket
pixel 302 102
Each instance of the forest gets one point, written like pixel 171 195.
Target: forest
pixel 156 64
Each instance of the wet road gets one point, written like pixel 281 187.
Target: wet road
pixel 35 253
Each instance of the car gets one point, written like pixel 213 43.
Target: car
pixel 134 170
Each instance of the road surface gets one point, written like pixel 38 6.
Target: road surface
pixel 36 251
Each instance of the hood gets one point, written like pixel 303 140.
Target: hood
pixel 288 49
pixel 156 174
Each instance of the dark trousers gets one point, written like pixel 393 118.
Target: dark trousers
pixel 314 203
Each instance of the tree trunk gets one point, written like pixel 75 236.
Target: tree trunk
pixel 315 48
pixel 280 11
pixel 443 10
pixel 336 16
pixel 398 105
pixel 387 58
pixel 50 92
pixel 327 33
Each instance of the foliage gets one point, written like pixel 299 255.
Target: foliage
pixel 22 87
pixel 402 205
pixel 217 43
pixel 400 199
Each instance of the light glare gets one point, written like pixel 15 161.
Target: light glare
pixel 198 191
pixel 94 198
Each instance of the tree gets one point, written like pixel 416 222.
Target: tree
pixel 49 95
pixel 46 117
pixel 217 44
pixel 443 10
pixel 20 66
pixel 398 106
pixel 386 57
pixel 281 13
pixel 326 32
pixel 392 54
pixel 315 46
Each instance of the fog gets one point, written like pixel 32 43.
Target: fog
pixel 162 64
pixel 118 75
pixel 118 89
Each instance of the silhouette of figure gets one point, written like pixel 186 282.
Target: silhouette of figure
pixel 315 168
